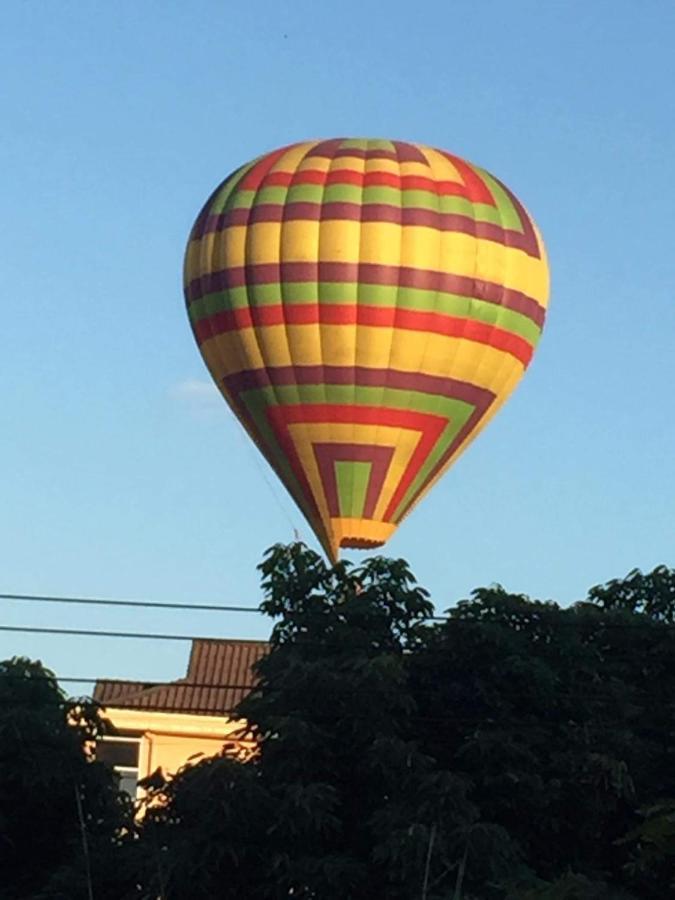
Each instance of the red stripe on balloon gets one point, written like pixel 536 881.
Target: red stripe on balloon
pixel 257 174
pixel 474 191
pixel 328 454
pixel 366 273
pixel 351 413
pixel 282 376
pixel 429 426
pixel 477 188
pixel 527 226
pixel 369 212
pixel 481 399
pixel 374 316
pixel 284 179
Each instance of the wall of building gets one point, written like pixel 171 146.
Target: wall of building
pixel 168 741
pixel 170 751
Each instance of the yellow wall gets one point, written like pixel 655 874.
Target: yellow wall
pixel 169 740
pixel 170 751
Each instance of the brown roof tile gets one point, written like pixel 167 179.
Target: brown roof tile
pixel 105 689
pixel 219 676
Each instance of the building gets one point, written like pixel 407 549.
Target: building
pixel 164 726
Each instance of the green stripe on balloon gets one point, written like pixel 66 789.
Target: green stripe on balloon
pixel 352 484
pixel 457 412
pixel 510 217
pixel 442 446
pixel 375 295
pixel 227 196
pixel 257 400
pixel 365 144
pixel 410 198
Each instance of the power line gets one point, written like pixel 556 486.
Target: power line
pixel 140 683
pixel 83 632
pixel 142 686
pixel 149 685
pixel 147 604
pixel 215 607
pixel 138 604
pixel 154 636
pixel 492 720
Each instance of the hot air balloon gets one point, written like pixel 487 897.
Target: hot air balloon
pixel 365 307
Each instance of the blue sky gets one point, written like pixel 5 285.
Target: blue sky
pixel 127 477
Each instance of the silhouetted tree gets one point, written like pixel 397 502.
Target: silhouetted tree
pixel 517 750
pixel 61 814
pixel 514 751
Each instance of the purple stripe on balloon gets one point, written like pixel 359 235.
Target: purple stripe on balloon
pixel 329 454
pixel 529 235
pixel 333 149
pixel 205 222
pixel 361 376
pixel 409 153
pixel 325 149
pixel 371 212
pixel 366 273
pixel 465 431
pixel 451 388
pixel 402 152
pixel 375 153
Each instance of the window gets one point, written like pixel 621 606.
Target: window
pixel 122 754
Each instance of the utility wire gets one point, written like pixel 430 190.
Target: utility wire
pixel 144 685
pixel 154 636
pixel 139 604
pixel 147 604
pixel 83 632
pixel 503 694
pixel 215 607
pixel 494 720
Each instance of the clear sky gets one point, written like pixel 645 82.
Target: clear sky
pixel 126 476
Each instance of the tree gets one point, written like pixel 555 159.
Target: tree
pixel 514 751
pixel 651 594
pixel 563 721
pixel 505 754
pixel 343 800
pixel 61 815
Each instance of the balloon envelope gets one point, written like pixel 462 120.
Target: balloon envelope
pixel 365 307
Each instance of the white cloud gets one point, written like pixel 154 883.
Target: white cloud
pixel 198 395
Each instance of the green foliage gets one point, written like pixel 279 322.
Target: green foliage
pixel 346 798
pixel 506 754
pixel 53 798
pixel 563 721
pixel 652 594
pixel 652 846
pixel 516 751
pixel 205 833
pixel 574 887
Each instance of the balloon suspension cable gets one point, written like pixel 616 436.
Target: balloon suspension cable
pixel 251 451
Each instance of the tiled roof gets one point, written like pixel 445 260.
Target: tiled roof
pixel 219 675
